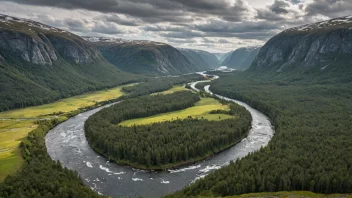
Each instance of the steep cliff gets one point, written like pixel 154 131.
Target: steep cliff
pixel 40 63
pixel 321 46
pixel 143 57
pixel 201 59
pixel 241 58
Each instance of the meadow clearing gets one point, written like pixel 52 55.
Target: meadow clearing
pixel 16 124
pixel 200 110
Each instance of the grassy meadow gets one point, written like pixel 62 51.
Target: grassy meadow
pixel 174 89
pixel 201 109
pixel 16 124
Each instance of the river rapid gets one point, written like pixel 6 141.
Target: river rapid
pixel 67 143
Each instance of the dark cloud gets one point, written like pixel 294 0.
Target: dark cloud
pixel 279 10
pixel 331 8
pixel 245 35
pixel 280 7
pixel 153 10
pixel 216 26
pixel 115 18
pixel 164 28
pixel 106 28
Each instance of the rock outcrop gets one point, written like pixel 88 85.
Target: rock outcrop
pixel 315 45
pixel 40 64
pixel 41 44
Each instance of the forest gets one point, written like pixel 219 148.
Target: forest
pixel 165 144
pixel 154 85
pixel 311 149
pixel 26 84
pixel 40 176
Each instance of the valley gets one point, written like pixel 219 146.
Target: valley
pixel 102 175
pixel 121 100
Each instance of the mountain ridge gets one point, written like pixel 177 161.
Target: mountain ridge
pixel 40 64
pixel 241 58
pixel 203 59
pixel 143 57
pixel 326 44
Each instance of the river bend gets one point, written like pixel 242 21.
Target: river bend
pixel 67 143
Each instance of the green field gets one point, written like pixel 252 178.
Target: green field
pixel 174 89
pixel 16 124
pixel 200 110
pixel 64 105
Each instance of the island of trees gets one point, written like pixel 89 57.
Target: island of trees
pixel 165 144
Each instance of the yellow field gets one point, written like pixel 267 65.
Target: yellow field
pixel 16 124
pixel 64 105
pixel 200 110
pixel 172 90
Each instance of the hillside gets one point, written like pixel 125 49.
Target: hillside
pixel 324 47
pixel 143 57
pixel 241 58
pixel 202 59
pixel 40 63
pixel 224 56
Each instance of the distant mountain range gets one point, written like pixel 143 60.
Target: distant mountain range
pixel 40 63
pixel 145 57
pixel 241 58
pixel 203 59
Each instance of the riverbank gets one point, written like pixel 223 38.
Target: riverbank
pixel 67 144
pixel 168 167
pixel 16 124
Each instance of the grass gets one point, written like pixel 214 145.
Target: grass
pixel 174 89
pixel 16 124
pixel 64 105
pixel 293 194
pixel 200 110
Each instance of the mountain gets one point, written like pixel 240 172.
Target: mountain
pixel 323 46
pixel 143 57
pixel 40 63
pixel 224 56
pixel 221 56
pixel 241 58
pixel 202 59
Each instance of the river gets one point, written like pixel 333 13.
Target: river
pixel 67 143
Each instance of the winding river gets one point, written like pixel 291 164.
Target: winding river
pixel 67 143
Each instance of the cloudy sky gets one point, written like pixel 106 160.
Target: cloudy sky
pixel 212 25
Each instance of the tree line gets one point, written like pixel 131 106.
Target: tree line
pixel 40 176
pixel 165 144
pixel 311 149
pixel 153 85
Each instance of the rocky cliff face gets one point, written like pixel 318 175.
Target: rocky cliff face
pixel 315 45
pixel 143 57
pixel 41 44
pixel 40 64
pixel 241 58
pixel 201 59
